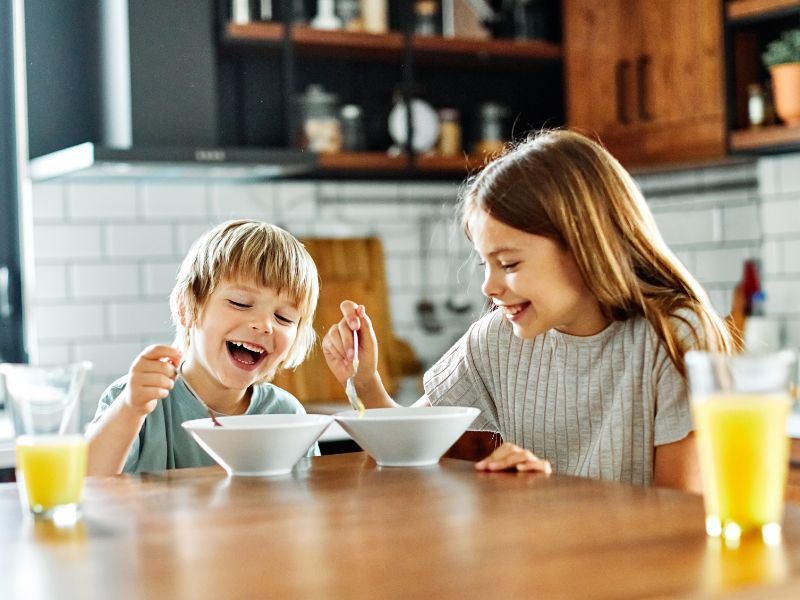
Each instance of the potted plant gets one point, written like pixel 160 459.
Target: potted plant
pixel 782 58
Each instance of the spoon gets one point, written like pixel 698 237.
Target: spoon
pixel 350 386
pixel 210 412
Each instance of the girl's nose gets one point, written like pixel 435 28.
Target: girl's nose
pixel 490 286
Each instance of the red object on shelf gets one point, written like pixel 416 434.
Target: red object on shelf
pixel 751 283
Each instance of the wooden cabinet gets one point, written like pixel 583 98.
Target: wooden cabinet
pixel 647 77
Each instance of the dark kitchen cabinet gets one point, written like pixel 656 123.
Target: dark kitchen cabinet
pixel 264 65
pixel 647 77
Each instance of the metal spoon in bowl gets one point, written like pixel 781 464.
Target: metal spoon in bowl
pixel 350 386
pixel 197 397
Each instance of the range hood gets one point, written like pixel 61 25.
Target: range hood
pixel 91 161
pixel 158 101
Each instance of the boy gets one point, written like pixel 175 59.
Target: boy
pixel 243 307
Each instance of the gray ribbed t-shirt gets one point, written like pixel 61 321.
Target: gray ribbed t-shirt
pixel 593 406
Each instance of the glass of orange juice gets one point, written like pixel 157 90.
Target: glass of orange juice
pixel 740 406
pixel 51 452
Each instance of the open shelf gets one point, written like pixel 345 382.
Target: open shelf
pixel 763 138
pixel 362 161
pixel 368 46
pixel 381 162
pixel 753 9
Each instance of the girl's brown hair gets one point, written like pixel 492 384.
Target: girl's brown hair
pixel 566 187
pixel 250 252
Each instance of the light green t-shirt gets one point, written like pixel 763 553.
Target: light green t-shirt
pixel 163 444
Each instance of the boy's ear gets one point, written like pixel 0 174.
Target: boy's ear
pixel 183 314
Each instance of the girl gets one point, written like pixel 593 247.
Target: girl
pixel 579 366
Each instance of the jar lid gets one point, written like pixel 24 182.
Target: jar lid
pixel 351 111
pixel 449 114
pixel 316 94
pixel 493 110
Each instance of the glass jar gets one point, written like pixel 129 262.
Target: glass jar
pixel 349 12
pixel 353 137
pixel 449 132
pixel 321 130
pixel 491 139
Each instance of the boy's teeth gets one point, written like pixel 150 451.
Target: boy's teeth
pixel 247 346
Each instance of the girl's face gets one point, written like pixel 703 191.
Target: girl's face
pixel 534 281
pixel 242 333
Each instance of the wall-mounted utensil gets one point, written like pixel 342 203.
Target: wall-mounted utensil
pixel 426 309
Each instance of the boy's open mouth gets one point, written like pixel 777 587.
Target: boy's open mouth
pixel 245 353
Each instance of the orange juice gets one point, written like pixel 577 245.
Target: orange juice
pixel 744 456
pixel 52 469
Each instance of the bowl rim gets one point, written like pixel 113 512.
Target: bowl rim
pixel 204 424
pixel 352 415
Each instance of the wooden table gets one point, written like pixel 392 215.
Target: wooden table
pixel 340 527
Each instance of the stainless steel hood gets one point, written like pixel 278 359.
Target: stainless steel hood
pixel 89 161
pixel 158 102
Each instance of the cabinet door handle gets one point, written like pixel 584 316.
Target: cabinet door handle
pixel 642 66
pixel 5 293
pixel 623 66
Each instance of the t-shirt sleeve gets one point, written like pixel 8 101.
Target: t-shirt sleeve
pixel 454 380
pixel 673 419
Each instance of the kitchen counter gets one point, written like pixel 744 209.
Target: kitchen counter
pixel 340 526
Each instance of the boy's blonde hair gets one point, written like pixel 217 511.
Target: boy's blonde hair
pixel 251 252
pixel 563 186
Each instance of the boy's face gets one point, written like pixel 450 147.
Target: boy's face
pixel 242 333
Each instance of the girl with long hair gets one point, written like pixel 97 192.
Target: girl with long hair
pixel 579 366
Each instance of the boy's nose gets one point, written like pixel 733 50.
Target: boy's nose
pixel 264 326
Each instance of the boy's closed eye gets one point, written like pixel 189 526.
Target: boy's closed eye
pixel 236 304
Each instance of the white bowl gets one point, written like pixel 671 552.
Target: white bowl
pixel 407 437
pixel 258 444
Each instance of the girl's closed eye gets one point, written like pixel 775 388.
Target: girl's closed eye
pixel 509 266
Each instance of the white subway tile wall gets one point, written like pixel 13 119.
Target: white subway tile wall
pixel 106 253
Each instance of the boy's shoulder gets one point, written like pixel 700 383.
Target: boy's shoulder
pixel 269 398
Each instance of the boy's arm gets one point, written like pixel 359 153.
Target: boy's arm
pixel 111 437
pixel 151 378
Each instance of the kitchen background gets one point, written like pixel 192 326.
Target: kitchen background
pixel 106 252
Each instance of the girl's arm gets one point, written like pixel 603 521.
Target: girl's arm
pixel 337 347
pixel 677 466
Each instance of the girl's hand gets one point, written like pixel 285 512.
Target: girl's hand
pixel 509 456
pixel 151 377
pixel 337 345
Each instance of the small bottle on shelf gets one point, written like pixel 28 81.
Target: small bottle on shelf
pixel 375 16
pixel 756 105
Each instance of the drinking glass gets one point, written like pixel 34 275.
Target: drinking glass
pixel 51 451
pixel 740 405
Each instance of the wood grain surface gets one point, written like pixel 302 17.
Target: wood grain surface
pixel 340 527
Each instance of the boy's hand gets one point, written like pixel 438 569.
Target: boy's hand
pixel 337 345
pixel 151 377
pixel 509 456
